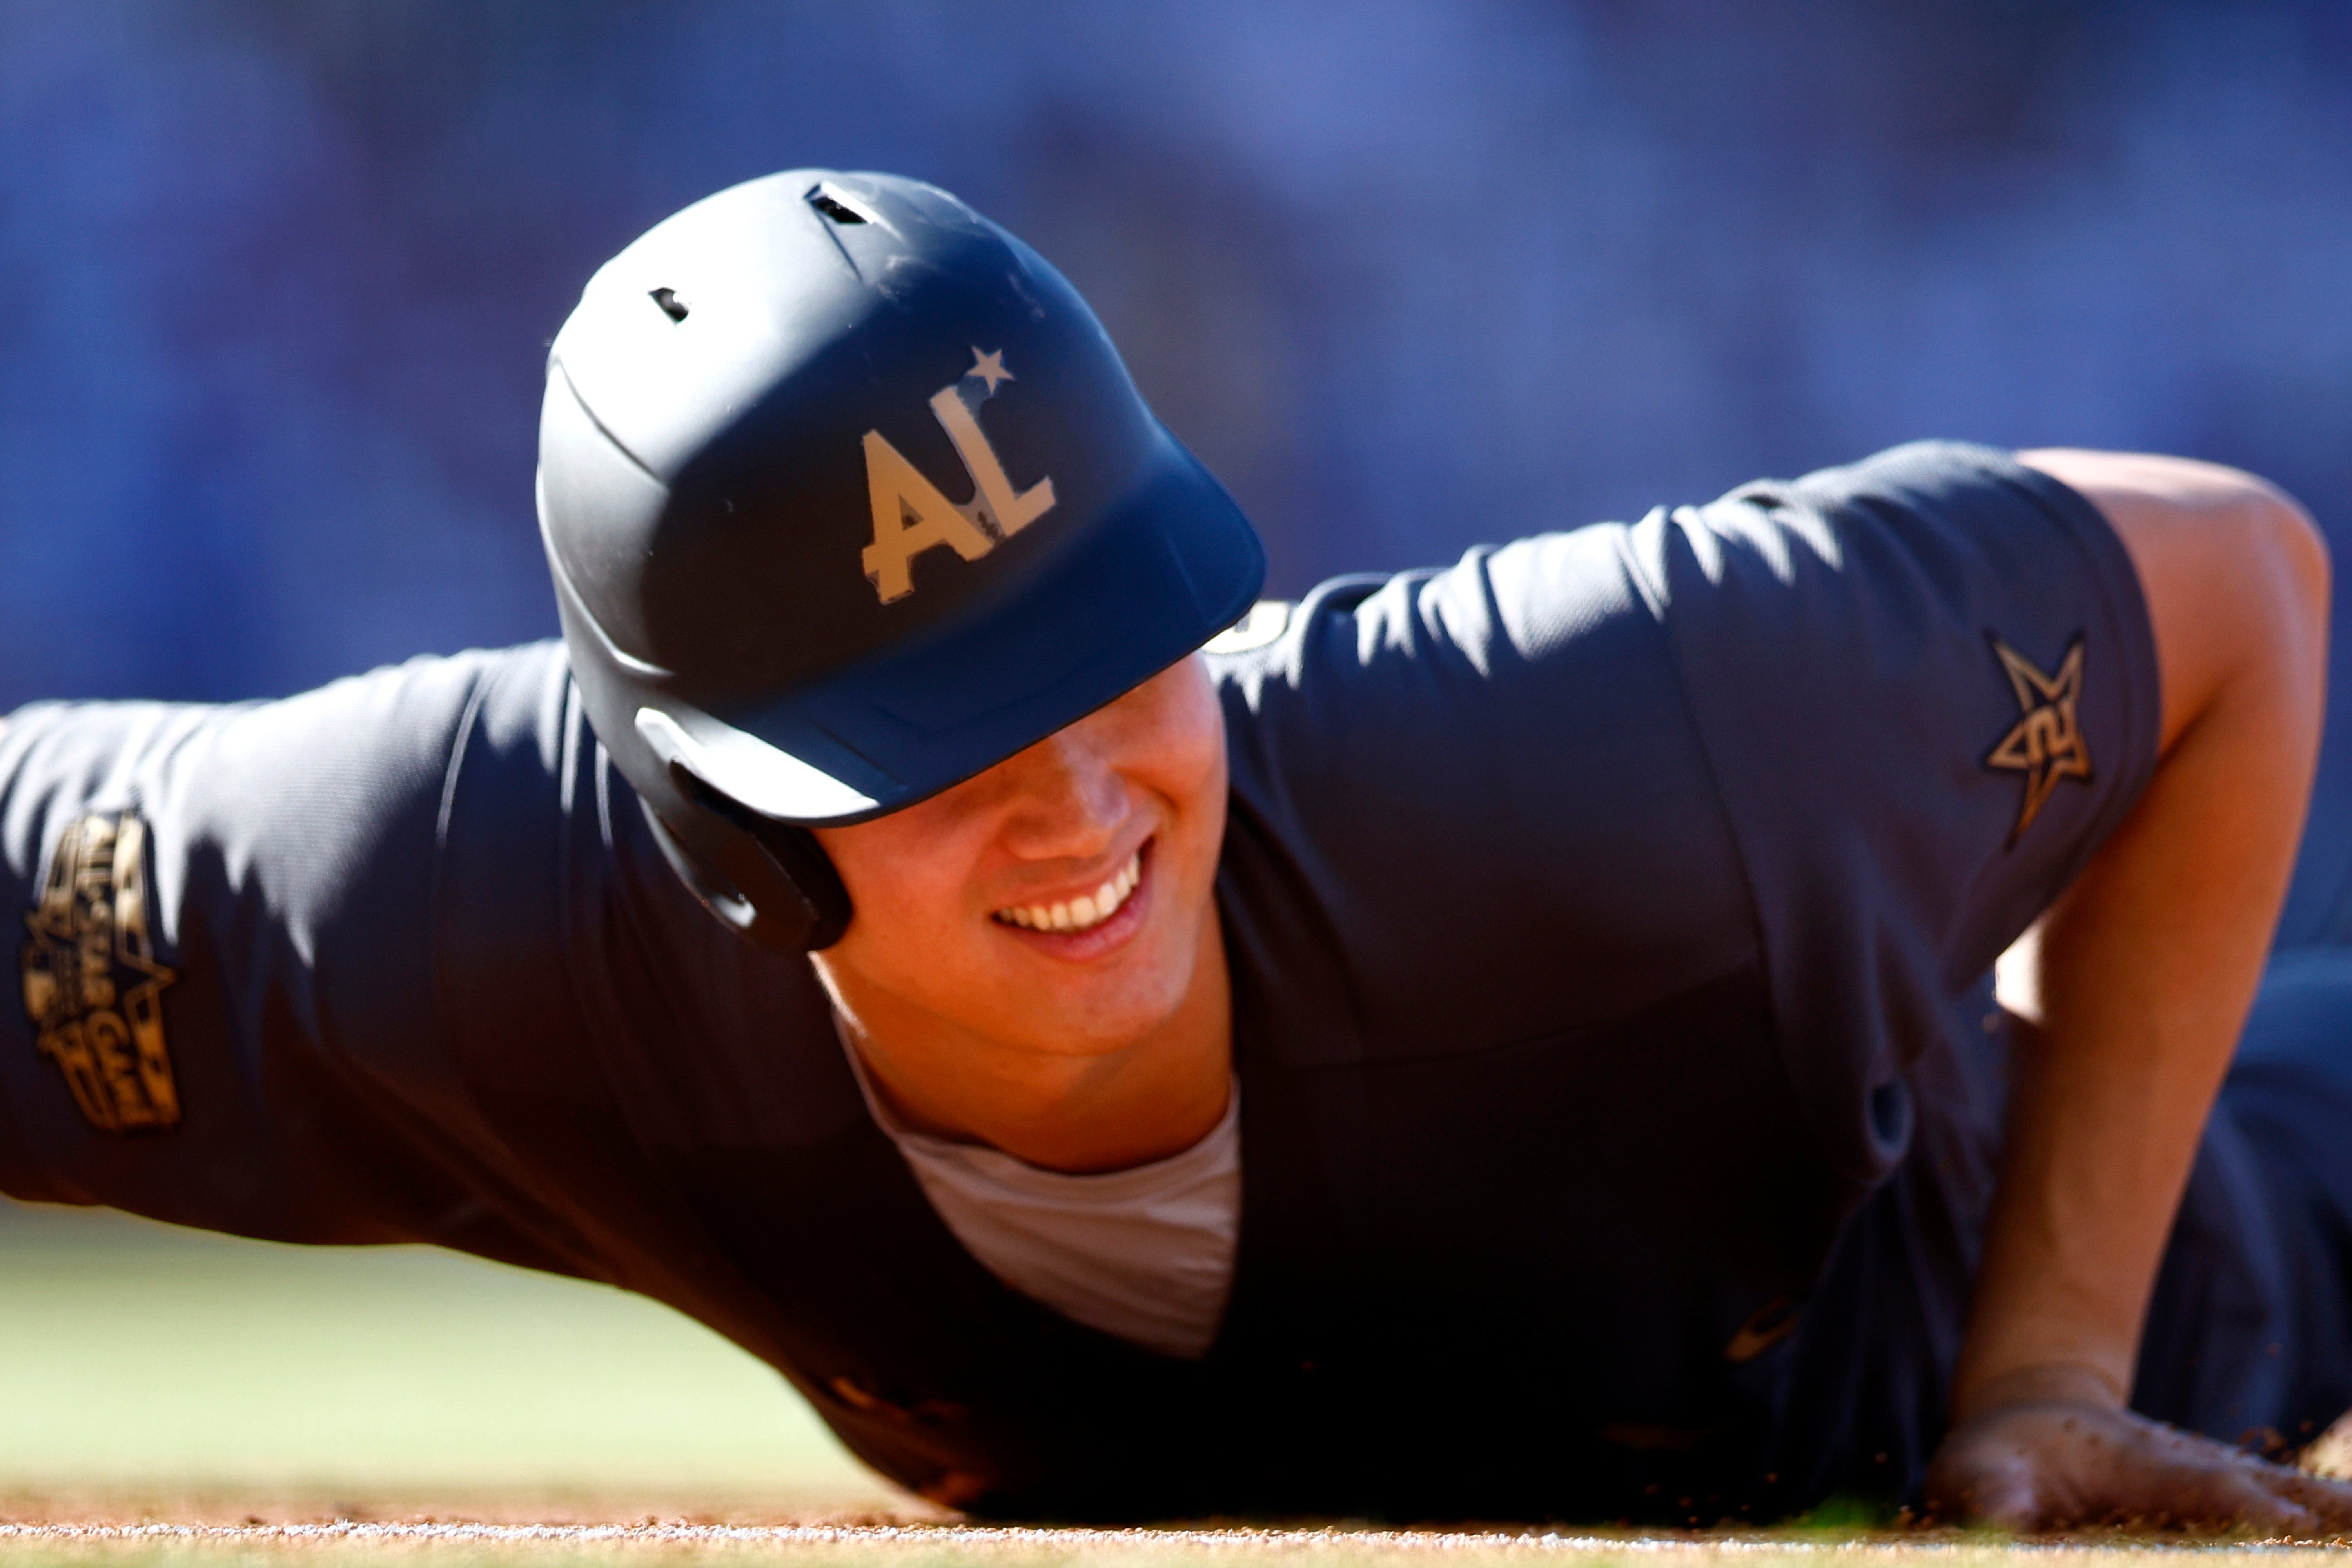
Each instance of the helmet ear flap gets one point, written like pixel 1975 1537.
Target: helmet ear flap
pixel 770 880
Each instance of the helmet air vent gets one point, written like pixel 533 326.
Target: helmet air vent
pixel 834 207
pixel 671 305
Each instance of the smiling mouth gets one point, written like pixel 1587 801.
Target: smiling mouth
pixel 1082 913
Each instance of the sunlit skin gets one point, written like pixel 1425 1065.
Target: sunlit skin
pixel 1075 1051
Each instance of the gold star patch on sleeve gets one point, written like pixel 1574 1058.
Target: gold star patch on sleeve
pixel 92 987
pixel 2046 743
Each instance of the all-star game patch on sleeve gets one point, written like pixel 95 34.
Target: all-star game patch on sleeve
pixel 92 987
pixel 1928 688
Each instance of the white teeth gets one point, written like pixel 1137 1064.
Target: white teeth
pixel 1081 913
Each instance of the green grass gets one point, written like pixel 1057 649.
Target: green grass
pixel 135 1357
pixel 159 1375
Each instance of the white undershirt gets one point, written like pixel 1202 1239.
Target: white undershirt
pixel 1146 1254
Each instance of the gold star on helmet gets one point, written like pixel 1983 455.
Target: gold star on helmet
pixel 2046 743
pixel 990 368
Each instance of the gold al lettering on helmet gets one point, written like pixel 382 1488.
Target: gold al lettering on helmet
pixel 911 516
pixel 92 987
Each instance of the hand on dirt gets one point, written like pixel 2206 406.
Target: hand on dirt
pixel 2064 1465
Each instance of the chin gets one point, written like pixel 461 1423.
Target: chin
pixel 1093 1031
pixel 1095 1019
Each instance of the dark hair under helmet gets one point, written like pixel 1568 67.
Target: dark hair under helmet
pixel 848 498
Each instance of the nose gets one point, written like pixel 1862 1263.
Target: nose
pixel 1069 802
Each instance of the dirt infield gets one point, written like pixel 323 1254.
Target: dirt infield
pixel 874 1526
pixel 956 1546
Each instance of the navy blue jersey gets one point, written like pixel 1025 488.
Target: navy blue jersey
pixel 1608 916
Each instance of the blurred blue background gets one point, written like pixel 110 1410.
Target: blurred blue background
pixel 279 273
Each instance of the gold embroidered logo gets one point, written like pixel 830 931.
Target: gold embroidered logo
pixel 92 986
pixel 2046 743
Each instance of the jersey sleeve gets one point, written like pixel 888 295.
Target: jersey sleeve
pixel 1927 689
pixel 230 1012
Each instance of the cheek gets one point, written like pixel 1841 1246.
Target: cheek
pixel 908 901
pixel 1179 742
pixel 904 900
pixel 1199 786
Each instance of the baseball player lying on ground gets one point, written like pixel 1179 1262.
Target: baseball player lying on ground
pixel 1511 1041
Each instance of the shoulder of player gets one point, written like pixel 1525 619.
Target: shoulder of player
pixel 1522 599
pixel 1477 782
pixel 1518 710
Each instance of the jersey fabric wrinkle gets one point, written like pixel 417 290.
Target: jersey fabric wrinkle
pixel 1619 1086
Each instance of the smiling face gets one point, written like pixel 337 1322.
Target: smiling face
pixel 1058 903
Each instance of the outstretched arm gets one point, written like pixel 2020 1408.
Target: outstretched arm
pixel 2133 989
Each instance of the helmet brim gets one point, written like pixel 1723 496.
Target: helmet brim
pixel 1166 569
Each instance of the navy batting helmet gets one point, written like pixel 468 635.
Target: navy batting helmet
pixel 848 498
